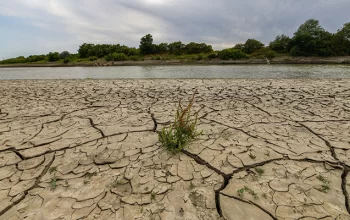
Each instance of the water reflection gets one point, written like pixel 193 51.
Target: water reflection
pixel 234 71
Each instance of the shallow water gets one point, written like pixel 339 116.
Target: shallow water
pixel 216 71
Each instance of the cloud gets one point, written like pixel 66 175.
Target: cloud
pixel 65 24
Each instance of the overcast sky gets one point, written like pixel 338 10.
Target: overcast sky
pixel 40 26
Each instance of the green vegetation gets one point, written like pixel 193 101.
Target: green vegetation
pixel 311 39
pixel 53 183
pixel 52 169
pixel 259 170
pixel 240 192
pixel 325 187
pixel 182 131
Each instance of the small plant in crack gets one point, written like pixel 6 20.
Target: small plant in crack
pixel 325 187
pixel 259 170
pixel 153 196
pixel 53 183
pixel 182 131
pixel 323 179
pixel 264 195
pixel 240 192
pixel 252 155
pixel 52 169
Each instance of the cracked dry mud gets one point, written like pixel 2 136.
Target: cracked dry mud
pixel 88 149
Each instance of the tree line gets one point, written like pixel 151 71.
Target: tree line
pixel 311 39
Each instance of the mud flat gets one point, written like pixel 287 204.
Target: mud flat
pixel 271 149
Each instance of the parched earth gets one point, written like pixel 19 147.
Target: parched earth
pixel 88 149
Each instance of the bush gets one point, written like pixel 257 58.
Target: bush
pixel 64 55
pixel 52 57
pixel 234 54
pixel 265 53
pixel 200 57
pixel 93 58
pixel 182 132
pixel 66 60
pixel 116 57
pixel 134 58
pixel 212 55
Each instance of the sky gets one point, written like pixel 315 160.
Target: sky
pixel 39 26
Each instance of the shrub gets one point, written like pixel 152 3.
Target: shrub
pixel 134 58
pixel 64 55
pixel 234 54
pixel 52 57
pixel 200 57
pixel 182 132
pixel 265 53
pixel 212 55
pixel 93 58
pixel 116 57
pixel 66 60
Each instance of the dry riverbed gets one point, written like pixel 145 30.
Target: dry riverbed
pixel 271 149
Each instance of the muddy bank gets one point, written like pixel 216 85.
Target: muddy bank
pixel 279 60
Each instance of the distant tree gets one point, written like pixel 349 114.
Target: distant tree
pixel 53 56
pixel 281 44
pixel 64 55
pixel 146 45
pixel 231 53
pixel 341 41
pixel 85 50
pixel 196 48
pixel 239 47
pixel 252 45
pixel 176 48
pixel 311 39
pixel 162 48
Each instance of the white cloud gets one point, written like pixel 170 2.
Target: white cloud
pixel 221 22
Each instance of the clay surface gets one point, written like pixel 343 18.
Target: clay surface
pixel 88 149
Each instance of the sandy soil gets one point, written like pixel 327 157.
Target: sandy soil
pixel 87 149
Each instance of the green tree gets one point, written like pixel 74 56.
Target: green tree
pixel 281 44
pixel 341 41
pixel 162 48
pixel 176 48
pixel 311 39
pixel 252 45
pixel 231 53
pixel 53 56
pixel 64 55
pixel 146 45
pixel 239 47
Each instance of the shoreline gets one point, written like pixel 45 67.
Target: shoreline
pixel 275 61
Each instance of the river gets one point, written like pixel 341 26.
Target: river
pixel 190 71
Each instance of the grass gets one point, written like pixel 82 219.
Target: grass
pixel 240 192
pixel 325 187
pixel 153 196
pixel 52 169
pixel 259 170
pixel 182 131
pixel 53 183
